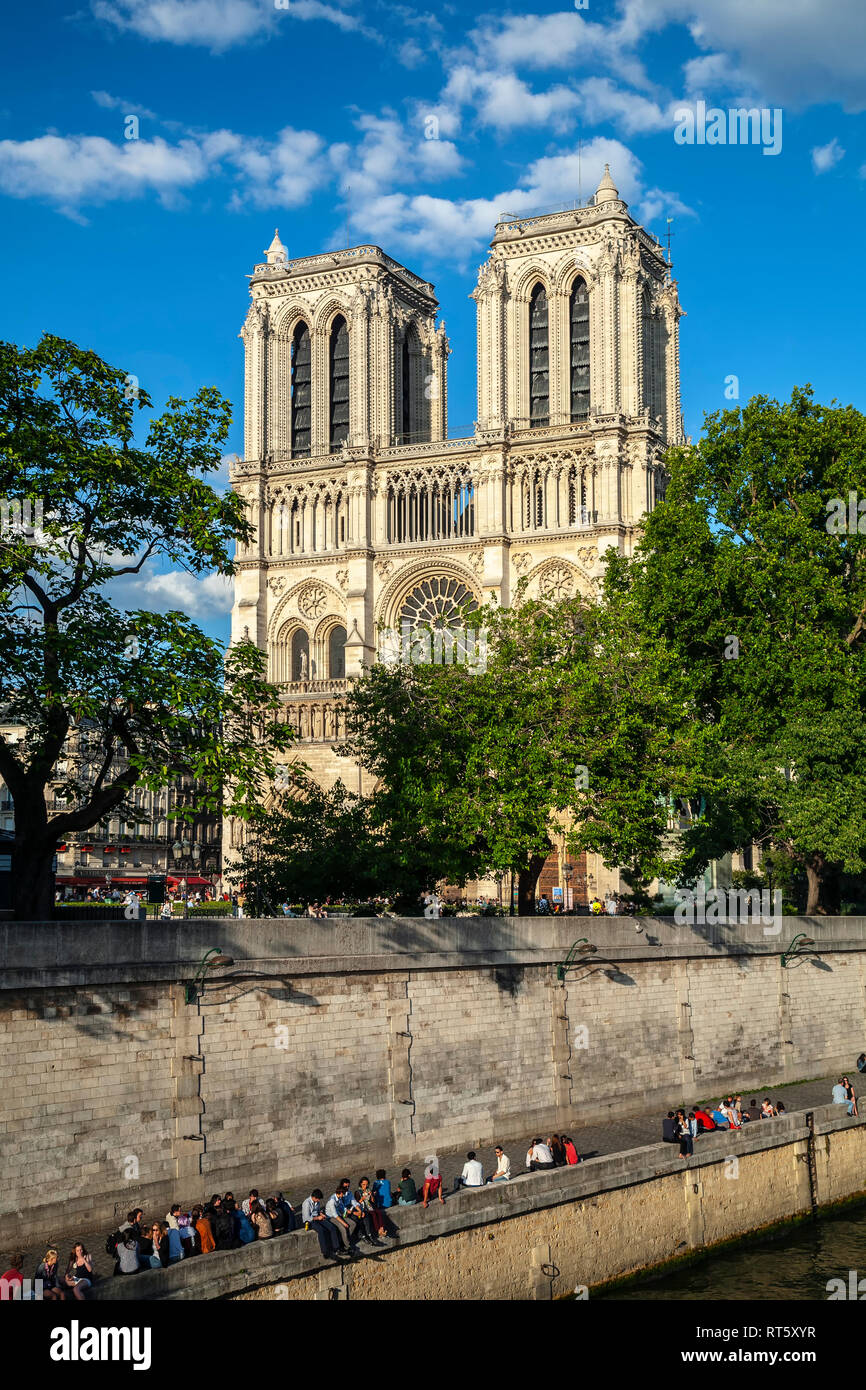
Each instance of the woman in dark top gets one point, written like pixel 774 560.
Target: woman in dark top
pixel 850 1096
pixel 159 1245
pixel 277 1216
pixel 79 1271
pixel 557 1148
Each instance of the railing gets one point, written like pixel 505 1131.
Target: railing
pixel 314 687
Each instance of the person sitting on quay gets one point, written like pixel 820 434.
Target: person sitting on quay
pixel 861 1062
pixel 850 1097
pixel 670 1132
pixel 79 1271
pixel 48 1270
pixel 571 1154
pixel 472 1175
pixel 768 1109
pixel 539 1158
pixel 502 1172
pixel 260 1222
pixel 382 1195
pixel 342 1223
pixel 705 1120
pixel 365 1196
pixel 554 1143
pixel 315 1219
pixel 432 1187
pixel 407 1192
pixel 357 1212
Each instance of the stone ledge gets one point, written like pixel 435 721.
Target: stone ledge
pixel 221 1274
pixel 81 954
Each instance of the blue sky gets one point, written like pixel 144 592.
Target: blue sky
pixel 252 115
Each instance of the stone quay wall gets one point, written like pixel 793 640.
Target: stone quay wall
pixel 371 1041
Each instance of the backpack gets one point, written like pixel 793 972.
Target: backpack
pixel 112 1240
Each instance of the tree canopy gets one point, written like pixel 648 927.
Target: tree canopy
pixel 84 505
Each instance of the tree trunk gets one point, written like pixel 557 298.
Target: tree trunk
pixel 33 880
pixel 823 887
pixel 526 881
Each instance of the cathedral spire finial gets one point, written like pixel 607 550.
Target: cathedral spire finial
pixel 607 191
pixel 276 252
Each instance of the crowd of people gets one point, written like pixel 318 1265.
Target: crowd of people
pixel 683 1127
pixel 340 1222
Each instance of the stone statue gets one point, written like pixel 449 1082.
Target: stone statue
pixel 304 664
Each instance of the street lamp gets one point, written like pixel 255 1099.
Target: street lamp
pixel 213 957
pixel 568 870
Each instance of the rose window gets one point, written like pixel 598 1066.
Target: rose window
pixel 436 602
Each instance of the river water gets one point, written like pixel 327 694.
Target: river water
pixel 797 1266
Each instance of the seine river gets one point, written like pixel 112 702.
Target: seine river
pixel 797 1266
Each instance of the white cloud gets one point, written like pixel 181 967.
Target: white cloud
pixel 795 52
pixel 825 156
pixel 75 169
pixel 389 154
pixel 112 103
pixel 218 24
pixel 205 597
pixel 505 102
pixel 458 227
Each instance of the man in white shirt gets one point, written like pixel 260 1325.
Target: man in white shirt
pixel 503 1166
pixel 472 1175
pixel 539 1158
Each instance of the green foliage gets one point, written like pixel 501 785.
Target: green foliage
pixel 313 844
pixel 150 688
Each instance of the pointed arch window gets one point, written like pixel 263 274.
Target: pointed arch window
pixel 406 412
pixel 579 325
pixel 539 358
pixel 339 382
pixel 301 391
pixel 337 653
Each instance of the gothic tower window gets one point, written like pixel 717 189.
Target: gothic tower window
pixel 579 323
pixel 406 403
pixel 339 382
pixel 539 359
pixel 301 394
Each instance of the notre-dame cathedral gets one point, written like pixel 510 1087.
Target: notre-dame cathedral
pixel 367 514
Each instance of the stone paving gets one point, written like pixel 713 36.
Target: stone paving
pixel 591 1140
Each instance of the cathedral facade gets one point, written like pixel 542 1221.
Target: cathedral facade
pixel 368 517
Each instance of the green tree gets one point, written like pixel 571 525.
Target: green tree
pixel 757 597
pixel 84 504
pixel 485 762
pixel 311 844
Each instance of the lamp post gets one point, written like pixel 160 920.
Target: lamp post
pixel 568 870
pixel 210 958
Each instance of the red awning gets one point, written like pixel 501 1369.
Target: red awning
pixel 191 880
pixel 71 881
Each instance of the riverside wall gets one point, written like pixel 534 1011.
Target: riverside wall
pixel 374 1041
pixel 548 1235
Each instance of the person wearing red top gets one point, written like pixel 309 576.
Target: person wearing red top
pixel 12 1276
pixel 571 1154
pixel 705 1120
